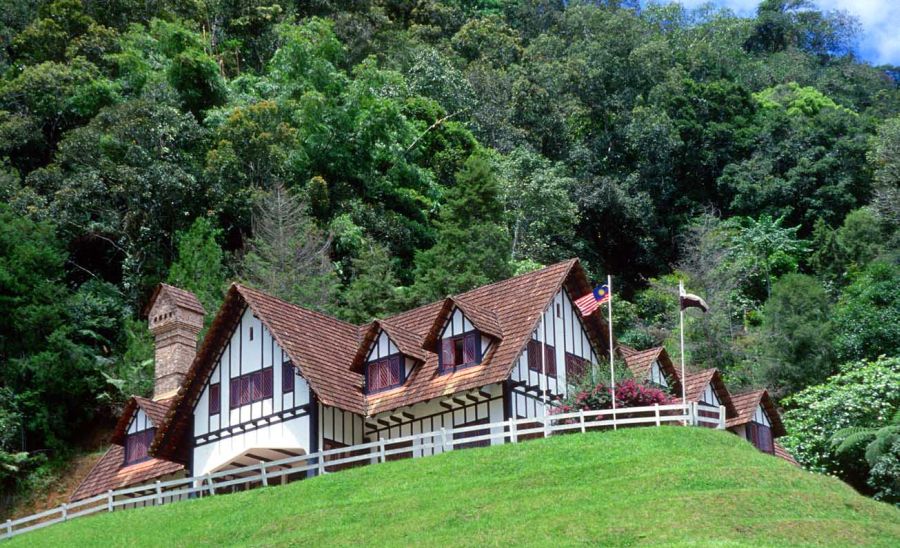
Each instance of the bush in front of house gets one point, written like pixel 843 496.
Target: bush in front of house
pixel 629 393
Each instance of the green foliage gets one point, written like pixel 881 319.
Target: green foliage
pixel 870 454
pixel 199 266
pixel 867 316
pixel 288 256
pixel 196 77
pixel 472 245
pixel 862 395
pixel 372 292
pixel 764 249
pixel 797 335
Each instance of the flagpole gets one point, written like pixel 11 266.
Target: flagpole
pixel 681 316
pixel 612 370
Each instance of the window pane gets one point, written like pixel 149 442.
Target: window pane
pixel 287 377
pixel 267 382
pixel 470 354
pixel 215 398
pixel 446 354
pixel 458 351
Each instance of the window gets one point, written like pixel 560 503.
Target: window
pixel 251 333
pixel 137 446
pixel 461 351
pixel 760 435
pixel 287 377
pixel 534 358
pixel 251 387
pixel 657 376
pixel 384 373
pixel 215 399
pixel 576 368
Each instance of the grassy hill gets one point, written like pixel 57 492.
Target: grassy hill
pixel 647 486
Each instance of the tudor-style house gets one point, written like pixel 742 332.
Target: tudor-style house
pixel 272 380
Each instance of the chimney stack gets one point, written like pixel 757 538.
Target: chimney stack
pixel 175 318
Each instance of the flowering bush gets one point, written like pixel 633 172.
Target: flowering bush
pixel 629 393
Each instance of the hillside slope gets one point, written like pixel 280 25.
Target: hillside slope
pixel 649 486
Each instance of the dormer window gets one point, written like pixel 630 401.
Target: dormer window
pixel 137 446
pixel 460 351
pixel 759 431
pixel 385 373
pixel 657 376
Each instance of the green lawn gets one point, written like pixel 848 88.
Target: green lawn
pixel 649 486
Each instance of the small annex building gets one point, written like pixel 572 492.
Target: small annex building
pixel 272 380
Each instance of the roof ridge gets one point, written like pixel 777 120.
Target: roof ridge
pixel 242 287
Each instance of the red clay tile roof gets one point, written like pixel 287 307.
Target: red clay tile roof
pixel 745 405
pixel 182 298
pixel 407 342
pixel 639 363
pixel 695 384
pixel 109 473
pixel 781 452
pixel 155 410
pixel 326 350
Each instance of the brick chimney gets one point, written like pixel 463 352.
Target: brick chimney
pixel 175 317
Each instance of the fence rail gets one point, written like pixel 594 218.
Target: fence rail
pixel 274 472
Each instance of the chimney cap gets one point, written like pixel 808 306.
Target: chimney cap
pixel 181 297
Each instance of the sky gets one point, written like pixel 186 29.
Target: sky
pixel 879 40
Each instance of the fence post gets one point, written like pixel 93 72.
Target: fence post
pixel 513 431
pixel 656 411
pixel 381 456
pixel 9 528
pixel 320 464
pixel 212 488
pixel 65 511
pixel 581 419
pixel 262 472
pixel 721 417
pixel 158 500
pixel 444 448
pixel 109 501
pixel 693 413
pixel 546 425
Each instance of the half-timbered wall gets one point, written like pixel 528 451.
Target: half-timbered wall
pixel 139 422
pixel 463 408
pixel 384 347
pixel 562 329
pixel 709 396
pixel 278 421
pixel 457 324
pixel 657 375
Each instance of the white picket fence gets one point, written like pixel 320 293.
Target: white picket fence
pixel 271 472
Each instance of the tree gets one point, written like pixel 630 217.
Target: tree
pixel 797 335
pixel 766 248
pixel 862 395
pixel 873 454
pixel 867 316
pixel 372 292
pixel 199 267
pixel 473 244
pixel 288 256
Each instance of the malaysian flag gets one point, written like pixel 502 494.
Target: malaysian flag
pixel 592 301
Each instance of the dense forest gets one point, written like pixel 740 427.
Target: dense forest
pixel 361 157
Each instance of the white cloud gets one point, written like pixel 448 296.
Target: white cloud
pixel 879 40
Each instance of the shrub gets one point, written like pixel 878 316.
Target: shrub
pixel 629 393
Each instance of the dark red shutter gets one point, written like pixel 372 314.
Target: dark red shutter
pixel 550 360
pixel 267 381
pixel 534 355
pixel 234 393
pixel 470 352
pixel 245 390
pixel 396 369
pixel 446 354
pixel 215 398
pixel 287 377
